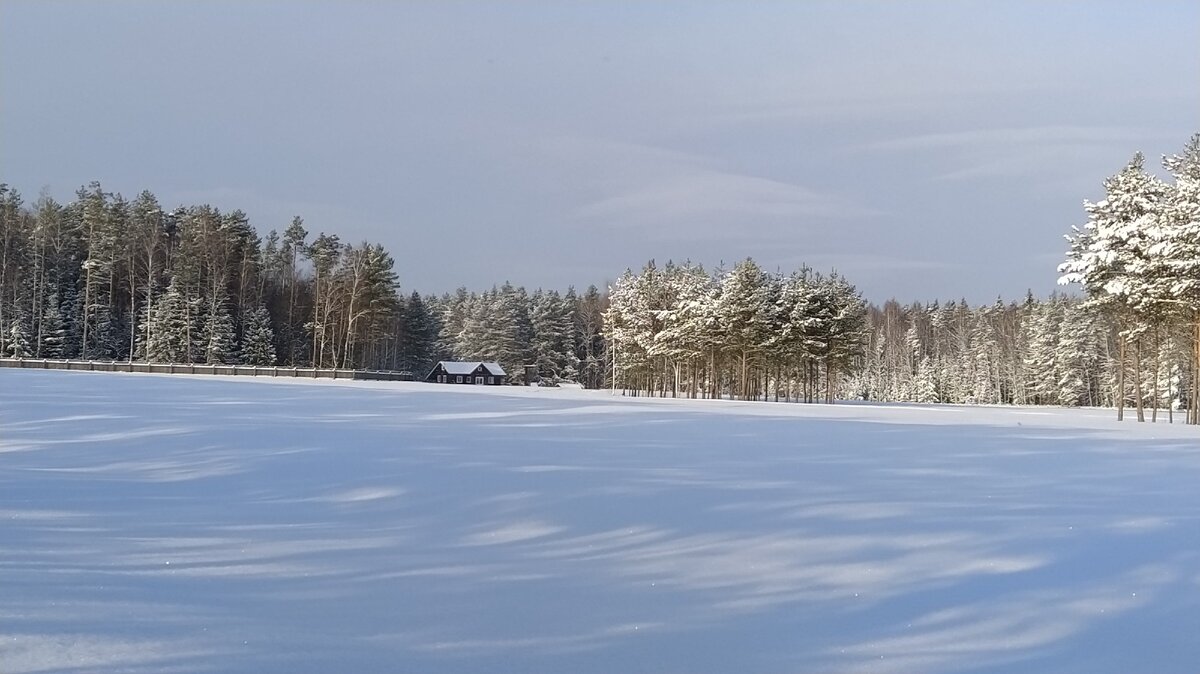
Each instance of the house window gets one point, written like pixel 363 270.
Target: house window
pixel 479 380
pixel 491 380
pixel 458 379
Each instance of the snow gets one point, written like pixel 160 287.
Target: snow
pixel 211 524
pixel 460 367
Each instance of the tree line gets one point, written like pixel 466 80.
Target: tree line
pixel 106 278
pixel 1033 352
pixel 804 336
pixel 103 277
pixel 681 331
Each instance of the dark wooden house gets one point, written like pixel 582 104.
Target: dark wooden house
pixel 454 372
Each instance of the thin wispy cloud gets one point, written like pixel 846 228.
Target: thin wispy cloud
pixel 1010 136
pixel 704 195
pixel 669 192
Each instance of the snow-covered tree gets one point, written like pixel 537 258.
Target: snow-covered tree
pixel 847 331
pixel 553 337
pixel 54 330
pixel 258 339
pixel 418 335
pixel 589 328
pixel 684 330
pixel 630 324
pixel 217 336
pixel 18 340
pixel 169 329
pixel 1111 258
pixel 1178 252
pixel 744 307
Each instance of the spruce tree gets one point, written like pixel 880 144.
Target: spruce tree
pixel 217 336
pixel 258 340
pixel 18 340
pixel 589 328
pixel 744 307
pixel 418 346
pixel 54 331
pixel 169 328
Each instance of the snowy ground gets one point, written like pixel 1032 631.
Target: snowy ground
pixel 157 524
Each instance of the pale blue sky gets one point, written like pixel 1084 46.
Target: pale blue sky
pixel 931 149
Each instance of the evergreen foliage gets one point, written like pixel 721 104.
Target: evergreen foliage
pixel 217 336
pixel 105 278
pixel 258 340
pixel 18 340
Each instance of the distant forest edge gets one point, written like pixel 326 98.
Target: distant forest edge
pixel 103 277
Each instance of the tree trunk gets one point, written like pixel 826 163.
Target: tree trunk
pixel 1137 375
pixel 1121 378
pixel 743 384
pixel 87 307
pixel 132 310
pixel 1193 399
pixel 1158 344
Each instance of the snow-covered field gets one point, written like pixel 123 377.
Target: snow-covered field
pixel 159 524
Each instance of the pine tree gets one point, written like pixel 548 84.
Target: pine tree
pixel 18 340
pixel 368 301
pixel 1079 356
pixel 621 327
pixel 478 336
pixel 417 335
pixel 144 249
pixel 744 307
pixel 258 340
pixel 683 326
pixel 169 329
pixel 292 247
pixel 54 331
pixel 847 332
pixel 589 328
pixel 568 344
pixel 500 330
pixel 217 336
pixel 1043 327
pixel 454 310
pixel 18 262
pixel 925 385
pixel 553 337
pixel 325 252
pixel 1178 251
pixel 102 223
pixel 1111 258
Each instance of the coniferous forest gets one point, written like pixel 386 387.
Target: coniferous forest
pixel 108 278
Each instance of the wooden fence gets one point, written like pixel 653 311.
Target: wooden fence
pixel 193 368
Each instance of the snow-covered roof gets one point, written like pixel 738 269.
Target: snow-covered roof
pixel 461 367
pixel 457 367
